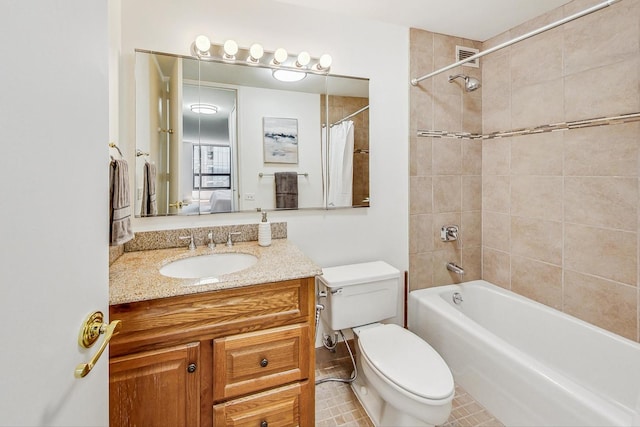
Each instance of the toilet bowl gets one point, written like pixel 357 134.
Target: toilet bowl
pixel 402 381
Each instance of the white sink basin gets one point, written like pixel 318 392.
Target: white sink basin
pixel 208 267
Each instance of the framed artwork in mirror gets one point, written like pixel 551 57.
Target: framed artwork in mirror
pixel 280 140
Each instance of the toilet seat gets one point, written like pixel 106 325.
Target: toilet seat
pixel 407 361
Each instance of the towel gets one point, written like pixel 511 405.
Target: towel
pixel 286 190
pixel 120 212
pixel 149 204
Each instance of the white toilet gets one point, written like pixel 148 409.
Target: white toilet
pixel 402 380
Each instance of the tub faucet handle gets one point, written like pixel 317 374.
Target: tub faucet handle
pixel 449 233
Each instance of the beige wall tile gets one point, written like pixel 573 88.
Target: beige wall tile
pixel 496 156
pixel 496 111
pixel 604 45
pixel 537 59
pixel 472 262
pixel 496 231
pixel 537 154
pixel 421 109
pixel 447 113
pixel 609 202
pixel 496 193
pixel 471 228
pixel 420 195
pixel 447 193
pixel 537 197
pixel 610 305
pixel 537 239
pixel 537 280
pixel 421 41
pixel 447 156
pixel 537 104
pixel 472 111
pixel 422 157
pixel 496 267
pixel 603 91
pixel 420 271
pixel 471 157
pixel 602 151
pixel 420 238
pixel 601 252
pixel 471 193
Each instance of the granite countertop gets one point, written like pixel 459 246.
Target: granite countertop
pixel 135 276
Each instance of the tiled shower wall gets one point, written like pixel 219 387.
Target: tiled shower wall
pixel 445 174
pixel 559 211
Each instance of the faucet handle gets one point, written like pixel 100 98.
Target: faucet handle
pixel 192 243
pixel 229 240
pixel 212 243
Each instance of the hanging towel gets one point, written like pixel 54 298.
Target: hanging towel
pixel 286 190
pixel 149 204
pixel 120 212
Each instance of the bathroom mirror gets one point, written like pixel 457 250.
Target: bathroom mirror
pixel 214 137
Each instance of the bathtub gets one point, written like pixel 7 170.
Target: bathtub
pixel 526 363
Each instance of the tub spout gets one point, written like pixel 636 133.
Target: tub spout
pixel 455 268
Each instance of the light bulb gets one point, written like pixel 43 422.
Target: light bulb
pixel 203 44
pixel 230 49
pixel 303 59
pixel 279 56
pixel 255 53
pixel 325 61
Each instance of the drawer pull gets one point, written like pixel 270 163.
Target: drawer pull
pixel 264 363
pixel 191 368
pixel 264 424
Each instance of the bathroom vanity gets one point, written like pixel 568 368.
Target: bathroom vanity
pixel 237 352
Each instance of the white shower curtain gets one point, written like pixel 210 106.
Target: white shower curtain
pixel 340 164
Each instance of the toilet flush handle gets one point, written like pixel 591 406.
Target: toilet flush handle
pixel 336 291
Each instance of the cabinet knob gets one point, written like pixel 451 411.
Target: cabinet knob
pixel 264 424
pixel 264 363
pixel 191 368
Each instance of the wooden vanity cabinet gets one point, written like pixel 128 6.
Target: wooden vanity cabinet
pixel 234 357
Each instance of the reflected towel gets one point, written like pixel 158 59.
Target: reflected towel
pixel 286 190
pixel 120 213
pixel 149 204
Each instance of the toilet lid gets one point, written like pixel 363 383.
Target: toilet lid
pixel 407 361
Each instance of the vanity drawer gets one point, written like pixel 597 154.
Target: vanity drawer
pixel 286 406
pixel 259 360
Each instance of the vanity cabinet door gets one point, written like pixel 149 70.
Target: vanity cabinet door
pixel 287 406
pixel 255 361
pixel 156 388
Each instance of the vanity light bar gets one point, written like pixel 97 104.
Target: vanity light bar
pixel 255 54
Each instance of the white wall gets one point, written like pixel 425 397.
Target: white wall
pixel 359 48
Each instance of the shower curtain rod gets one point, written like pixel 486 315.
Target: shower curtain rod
pixel 350 115
pixel 587 11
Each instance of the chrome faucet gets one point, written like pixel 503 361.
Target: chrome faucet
pixel 212 243
pixel 192 243
pixel 449 233
pixel 455 268
pixel 229 240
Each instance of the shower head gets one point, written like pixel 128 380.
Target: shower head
pixel 470 83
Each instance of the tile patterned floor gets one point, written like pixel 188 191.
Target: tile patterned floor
pixel 337 405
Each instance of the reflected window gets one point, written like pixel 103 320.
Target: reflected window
pixel 211 167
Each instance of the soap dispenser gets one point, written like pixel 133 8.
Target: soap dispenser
pixel 264 231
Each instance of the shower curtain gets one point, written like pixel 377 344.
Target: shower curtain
pixel 339 167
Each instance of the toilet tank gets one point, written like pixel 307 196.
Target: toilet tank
pixel 358 294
